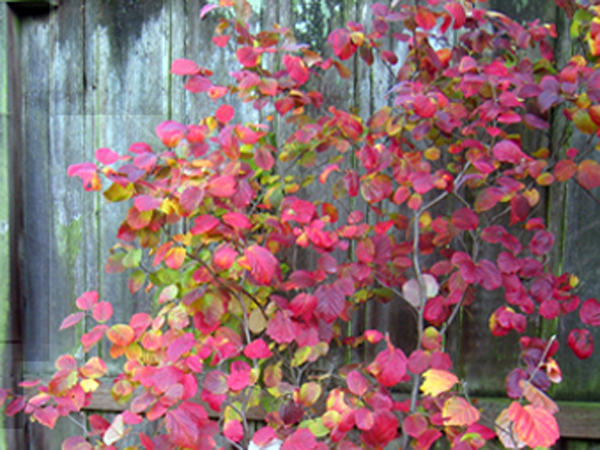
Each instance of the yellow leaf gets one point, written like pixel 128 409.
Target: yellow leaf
pixel 457 411
pixel 89 385
pixel 505 433
pixel 437 381
pixel 257 322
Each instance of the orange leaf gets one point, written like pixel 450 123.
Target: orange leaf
pixel 537 398
pixel 121 335
pixel 588 174
pixel 535 426
pixel 437 381
pixel 457 411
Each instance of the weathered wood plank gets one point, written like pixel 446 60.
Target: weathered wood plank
pixel 127 67
pixel 10 329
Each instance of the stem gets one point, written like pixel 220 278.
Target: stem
pixel 422 300
pixel 452 316
pixel 543 358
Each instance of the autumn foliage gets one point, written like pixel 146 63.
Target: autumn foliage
pixel 254 280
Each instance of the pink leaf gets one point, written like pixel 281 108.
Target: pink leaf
pixel 465 219
pixel 87 300
pixel 102 312
pixel 106 156
pixel 170 132
pixel 258 349
pixel 184 67
pixel 262 264
pixel 225 113
pixel 146 203
pixel 71 320
pixel 590 312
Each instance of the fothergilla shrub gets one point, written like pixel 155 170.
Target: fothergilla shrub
pixel 255 280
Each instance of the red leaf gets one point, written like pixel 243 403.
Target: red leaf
pixel 106 156
pixel 257 349
pixel 233 430
pixel 281 328
pixel 239 378
pixel 331 302
pixel 247 56
pixel 184 67
pixel 146 203
pixel 565 169
pixel 357 384
pixel 296 68
pixel 424 106
pixel 170 132
pixel 302 439
pixel 71 320
pixel 262 264
pixel 541 243
pixel 303 305
pixel 263 436
pixel 236 220
pixel 87 300
pixel 15 406
pixel 204 224
pixel 221 41
pixel 225 113
pixel 224 257
pixel 263 158
pixel 415 425
pixel 184 424
pixel 376 187
pixel 465 219
pixel 425 19
pixel 389 366
pixel 180 347
pixel 341 43
pixel 581 342
pixel 507 263
pixel 222 186
pixel 89 339
pixel 457 11
pixel 418 361
pixel 364 418
pixel 588 174
pixel 198 83
pixel 102 312
pixel 508 151
pixel 590 312
pixel 88 172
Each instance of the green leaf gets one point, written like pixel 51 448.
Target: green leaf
pixel 117 193
pixel 133 258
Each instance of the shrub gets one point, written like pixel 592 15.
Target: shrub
pixel 254 281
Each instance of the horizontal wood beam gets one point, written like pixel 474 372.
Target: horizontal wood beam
pixel 577 420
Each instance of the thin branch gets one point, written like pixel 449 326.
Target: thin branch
pixel 453 315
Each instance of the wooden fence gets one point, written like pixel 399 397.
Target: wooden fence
pixel 76 75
